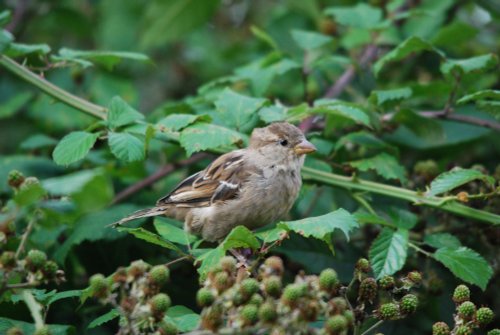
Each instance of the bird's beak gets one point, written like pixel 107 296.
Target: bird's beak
pixel 304 147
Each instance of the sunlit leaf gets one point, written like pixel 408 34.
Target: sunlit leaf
pixel 111 315
pixel 74 147
pixel 150 237
pixel 359 16
pixel 477 64
pixel 203 136
pixel 20 49
pixel 449 180
pixel 442 240
pixel 384 164
pixel 238 111
pixel 126 147
pixel 121 113
pixel 379 97
pixel 388 252
pixel 309 40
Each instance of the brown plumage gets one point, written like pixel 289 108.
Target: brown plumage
pixel 251 187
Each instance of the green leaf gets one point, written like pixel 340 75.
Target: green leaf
pixel 270 234
pixel 442 240
pixel 108 59
pixel 238 111
pixel 74 147
pixel 121 113
pixel 150 237
pixel 309 40
pixel 320 226
pixel 402 218
pixel 126 147
pixel 29 328
pixel 29 194
pixel 466 264
pixel 63 295
pixel 20 49
pixel 362 138
pixel 37 141
pixel 70 183
pixel 240 237
pixel 350 111
pixel 14 104
pixel 209 260
pixel 478 64
pixel 454 34
pixel 6 39
pixel 272 114
pixel 264 37
pixel 384 164
pixel 379 97
pixel 167 229
pixel 419 125
pixel 449 180
pixel 480 95
pixel 183 318
pixel 203 136
pixel 359 16
pixel 167 21
pixel 388 252
pixel 407 47
pixel 111 315
pixel 5 17
pixel 176 122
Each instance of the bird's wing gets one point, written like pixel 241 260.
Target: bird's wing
pixel 220 181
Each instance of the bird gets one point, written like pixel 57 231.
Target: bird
pixel 252 187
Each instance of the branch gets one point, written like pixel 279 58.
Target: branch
pixel 416 198
pixel 52 90
pixel 366 332
pixel 167 169
pixel 28 230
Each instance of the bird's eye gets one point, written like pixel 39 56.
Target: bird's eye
pixel 283 143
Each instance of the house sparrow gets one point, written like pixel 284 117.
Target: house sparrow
pixel 250 187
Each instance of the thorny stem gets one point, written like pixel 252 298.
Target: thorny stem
pixel 366 332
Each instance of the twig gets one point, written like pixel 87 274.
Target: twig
pixel 366 332
pixel 22 285
pixel 417 248
pixel 178 260
pixel 28 230
pixel 451 98
pixel 156 176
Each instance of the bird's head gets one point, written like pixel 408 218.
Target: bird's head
pixel 282 141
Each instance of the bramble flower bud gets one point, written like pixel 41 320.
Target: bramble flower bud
pixel 212 318
pixel 336 324
pixel 386 283
pixel 484 316
pixel 363 265
pixel 338 305
pixel 159 305
pixel 120 276
pixel 293 293
pixel 349 315
pixel 440 328
pixel 205 297
pixel 461 294
pixel 310 311
pixel 249 314
pixel 228 263
pixel 415 277
pixel 272 286
pixel 15 178
pixel 167 328
pixel 427 169
pixel 367 289
pixel 35 260
pixel 388 311
pixel 222 281
pixel 463 330
pixel 267 312
pixel 466 310
pixel 138 268
pixel 408 304
pixel 249 287
pixel 50 269
pixel 275 264
pixel 328 280
pixel 99 286
pixel 159 275
pixel 8 259
pixel 29 182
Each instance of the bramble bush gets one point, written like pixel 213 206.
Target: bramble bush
pixel 105 107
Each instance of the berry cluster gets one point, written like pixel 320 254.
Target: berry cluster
pixel 467 318
pixel 245 301
pixel 135 292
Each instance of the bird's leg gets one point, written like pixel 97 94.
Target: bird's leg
pixel 186 235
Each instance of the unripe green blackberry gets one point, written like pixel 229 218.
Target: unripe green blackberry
pixel 408 304
pixel 249 286
pixel 99 286
pixel 50 269
pixel 461 294
pixel 463 330
pixel 495 331
pixel 15 178
pixel 484 316
pixel 309 312
pixel 328 280
pixel 211 318
pixel 349 315
pixel 427 169
pixel 272 286
pixel 159 305
pixel 28 182
pixel 256 299
pixel 120 276
pixel 415 277
pixel 205 297
pixel 275 264
pixel 388 311
pixel 363 265
pixel 159 275
pixel 168 328
pixel 386 283
pixel 35 260
pixel 14 331
pixel 367 289
pixel 292 294
pixel 440 328
pixel 138 268
pixel 222 281
pixel 336 324
pixel 8 259
pixel 249 314
pixel 228 264
pixel 466 310
pixel 338 305
pixel 268 313
pixel 43 331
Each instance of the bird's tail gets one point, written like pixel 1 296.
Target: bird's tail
pixel 143 213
